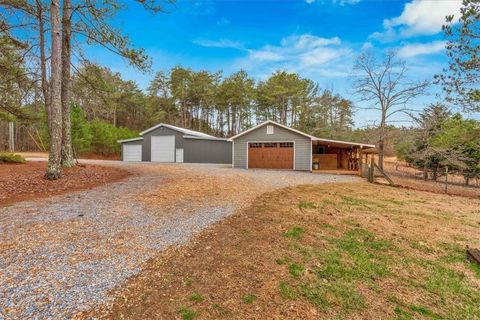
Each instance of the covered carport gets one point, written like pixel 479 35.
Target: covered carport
pixel 337 155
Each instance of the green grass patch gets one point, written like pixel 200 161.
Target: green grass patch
pixel 295 269
pixel 424 312
pixel 421 247
pixel 327 226
pixel 8 157
pixel 328 202
pixel 401 314
pixel 475 267
pixel 287 291
pixel 187 314
pixel 307 205
pixel 196 297
pixel 336 293
pixel 357 256
pixel 249 298
pixel 295 232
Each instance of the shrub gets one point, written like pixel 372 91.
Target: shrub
pixel 7 157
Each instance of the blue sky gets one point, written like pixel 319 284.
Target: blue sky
pixel 319 39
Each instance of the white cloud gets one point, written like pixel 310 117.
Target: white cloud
pixel 419 17
pixel 300 53
pixel 366 46
pixel 222 43
pixel 417 49
pixel 309 1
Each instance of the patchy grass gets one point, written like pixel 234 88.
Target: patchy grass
pixel 196 297
pixel 249 298
pixel 187 314
pixel 294 232
pixel 307 205
pixel 286 291
pixel 367 252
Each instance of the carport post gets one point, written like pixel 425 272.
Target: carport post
pixel 360 160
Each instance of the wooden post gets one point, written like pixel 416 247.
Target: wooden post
pixel 360 160
pixel 446 179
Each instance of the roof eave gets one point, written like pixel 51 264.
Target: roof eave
pixel 130 140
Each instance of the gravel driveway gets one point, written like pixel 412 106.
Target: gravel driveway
pixel 62 255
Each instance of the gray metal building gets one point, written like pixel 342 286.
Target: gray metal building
pixel 167 143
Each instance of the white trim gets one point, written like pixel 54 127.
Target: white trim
pixel 311 157
pixel 271 122
pixel 182 130
pixel 233 154
pixel 294 151
pixel 205 138
pixel 128 140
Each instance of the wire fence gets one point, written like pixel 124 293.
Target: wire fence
pixel 441 176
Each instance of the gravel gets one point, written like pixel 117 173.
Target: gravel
pixel 64 254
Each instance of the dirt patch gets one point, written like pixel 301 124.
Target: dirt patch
pixel 26 181
pixel 356 251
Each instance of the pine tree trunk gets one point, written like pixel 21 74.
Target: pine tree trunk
pixel 55 129
pixel 67 151
pixel 43 59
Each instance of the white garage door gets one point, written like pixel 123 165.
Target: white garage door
pixel 163 149
pixel 132 152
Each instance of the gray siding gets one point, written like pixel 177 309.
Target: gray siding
pixel 130 143
pixel 303 145
pixel 161 131
pixel 207 151
pixel 194 150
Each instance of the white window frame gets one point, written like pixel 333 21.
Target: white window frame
pixel 270 129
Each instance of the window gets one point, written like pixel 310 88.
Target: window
pixel 255 145
pixel 270 145
pixel 286 145
pixel 318 149
pixel 269 129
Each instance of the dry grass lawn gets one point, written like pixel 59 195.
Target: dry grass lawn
pixel 339 251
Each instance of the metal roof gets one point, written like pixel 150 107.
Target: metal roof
pixel 182 130
pixel 129 140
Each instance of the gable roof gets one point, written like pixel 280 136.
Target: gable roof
pixel 270 122
pixel 182 130
pixel 301 133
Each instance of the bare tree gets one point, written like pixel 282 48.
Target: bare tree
pixel 55 106
pixel 385 85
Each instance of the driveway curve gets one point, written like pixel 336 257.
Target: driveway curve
pixel 63 255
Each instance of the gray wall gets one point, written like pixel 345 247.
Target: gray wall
pixel 194 150
pixel 129 143
pixel 303 146
pixel 207 151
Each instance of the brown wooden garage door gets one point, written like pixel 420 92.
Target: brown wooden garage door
pixel 272 155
